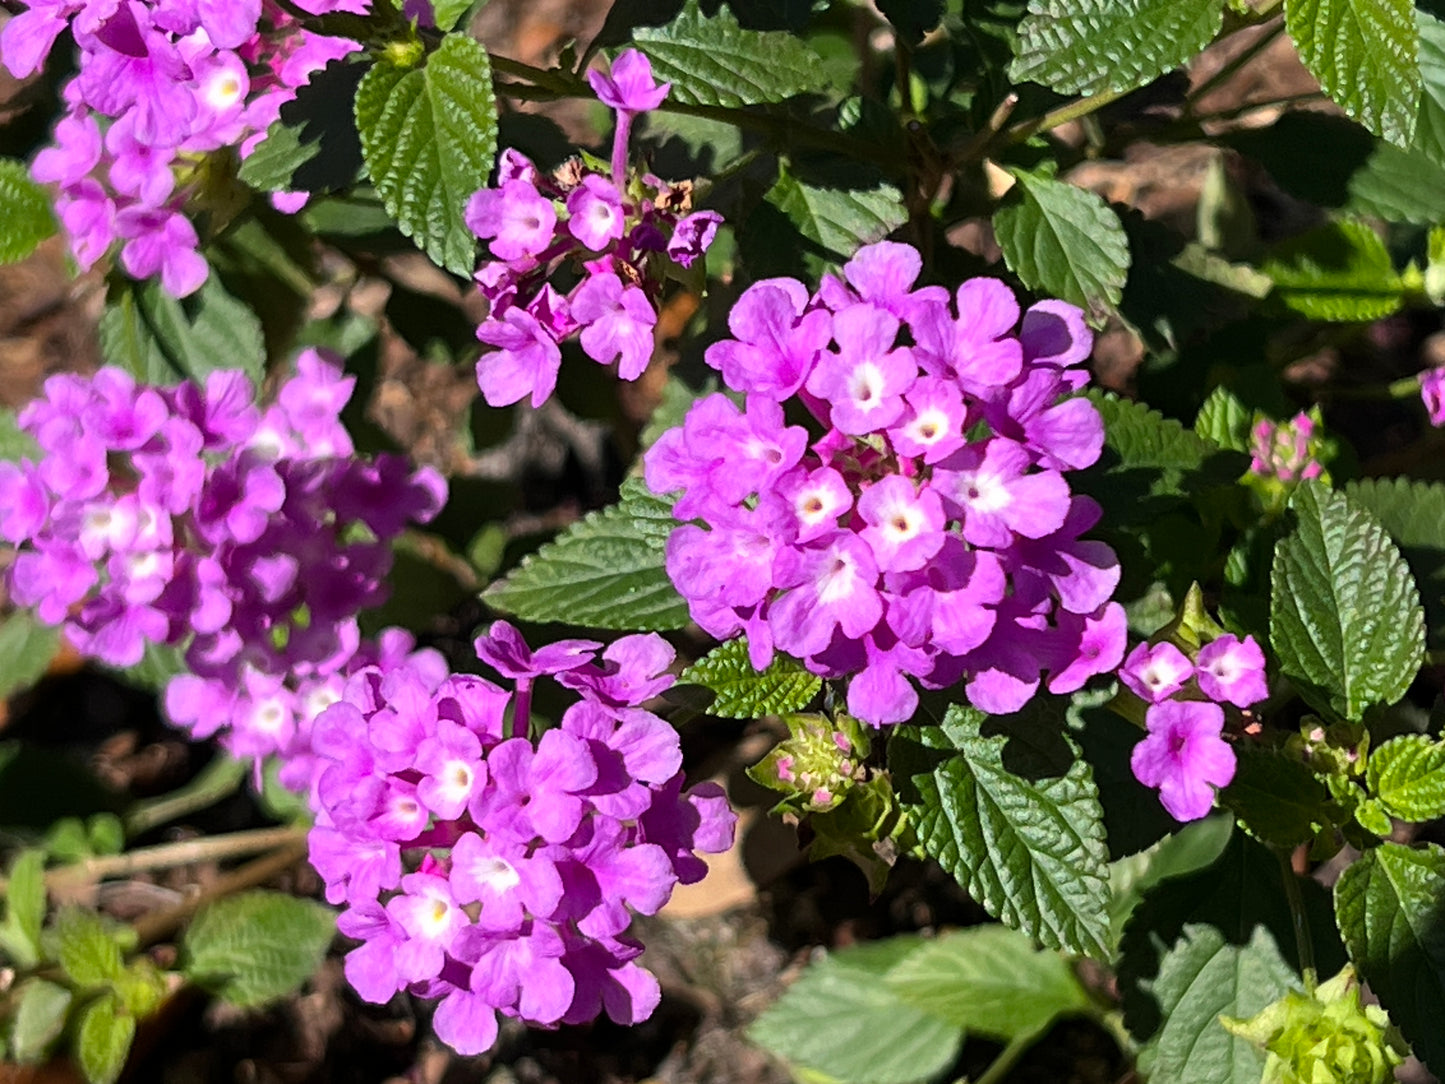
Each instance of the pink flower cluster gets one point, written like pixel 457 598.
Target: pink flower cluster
pixel 1432 394
pixel 930 533
pixel 1285 450
pixel 497 873
pixel 167 515
pixel 161 84
pixel 617 232
pixel 1184 756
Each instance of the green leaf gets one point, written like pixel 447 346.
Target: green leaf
pixel 1063 241
pixel 39 1019
pixel 1399 186
pixel 836 222
pixel 1202 977
pixel 1009 808
pixel 102 1041
pixel 161 339
pixel 745 693
pixel 429 137
pixel 159 664
pixel 26 648
pixel 1414 514
pixel 1276 797
pixel 1225 420
pixel 1430 122
pixel 1192 848
pixel 313 146
pixel 1345 617
pixel 256 947
pixel 715 62
pixel 447 13
pixel 1088 46
pixel 15 443
pixel 989 980
pixel 25 907
pixel 1389 910
pixel 606 572
pixel 87 951
pixel 1340 271
pixel 28 219
pixel 1407 776
pixel 816 1023
pixel 1365 53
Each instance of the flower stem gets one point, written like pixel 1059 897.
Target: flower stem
pixel 999 1067
pixel 1079 107
pixel 1300 921
pixel 170 855
pixel 217 779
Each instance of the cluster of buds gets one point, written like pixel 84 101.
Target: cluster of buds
pixel 621 234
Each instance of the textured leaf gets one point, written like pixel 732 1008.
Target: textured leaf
pixel 1088 46
pixel 1388 904
pixel 28 219
pixel 1276 797
pixel 816 1023
pixel 714 61
pixel 102 1041
pixel 1365 53
pixel 1202 977
pixel 256 947
pixel 429 138
pixel 25 904
pixel 744 693
pixel 836 222
pixel 1009 808
pixel 26 648
pixel 164 340
pixel 447 13
pixel 1407 776
pixel 314 146
pixel 1225 420
pixel 86 950
pixel 1341 271
pixel 989 980
pixel 39 1019
pixel 1345 617
pixel 1430 123
pixel 1399 186
pixel 1414 514
pixel 606 572
pixel 1063 241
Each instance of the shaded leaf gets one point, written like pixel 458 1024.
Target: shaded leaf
pixel 314 146
pixel 1345 617
pixel 1414 514
pixel 429 138
pixel 26 648
pixel 1340 271
pixel 165 340
pixel 1276 796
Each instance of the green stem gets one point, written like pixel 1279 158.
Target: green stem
pixel 1227 71
pixel 785 131
pixel 170 855
pixel 1301 922
pixel 1079 107
pixel 999 1067
pixel 217 779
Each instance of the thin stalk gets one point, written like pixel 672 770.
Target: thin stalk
pixel 1249 107
pixel 170 855
pixel 999 1067
pixel 1300 921
pixel 1079 107
pixel 218 779
pixel 152 927
pixel 980 140
pixel 1230 67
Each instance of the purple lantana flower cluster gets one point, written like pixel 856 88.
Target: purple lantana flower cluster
pixel 616 233
pixel 1185 756
pixel 194 516
pixel 930 532
pixel 496 873
pixel 161 84
pixel 1432 394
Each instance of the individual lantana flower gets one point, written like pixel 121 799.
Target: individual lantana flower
pixel 620 234
pixel 1184 757
pixel 929 534
pixel 1432 393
